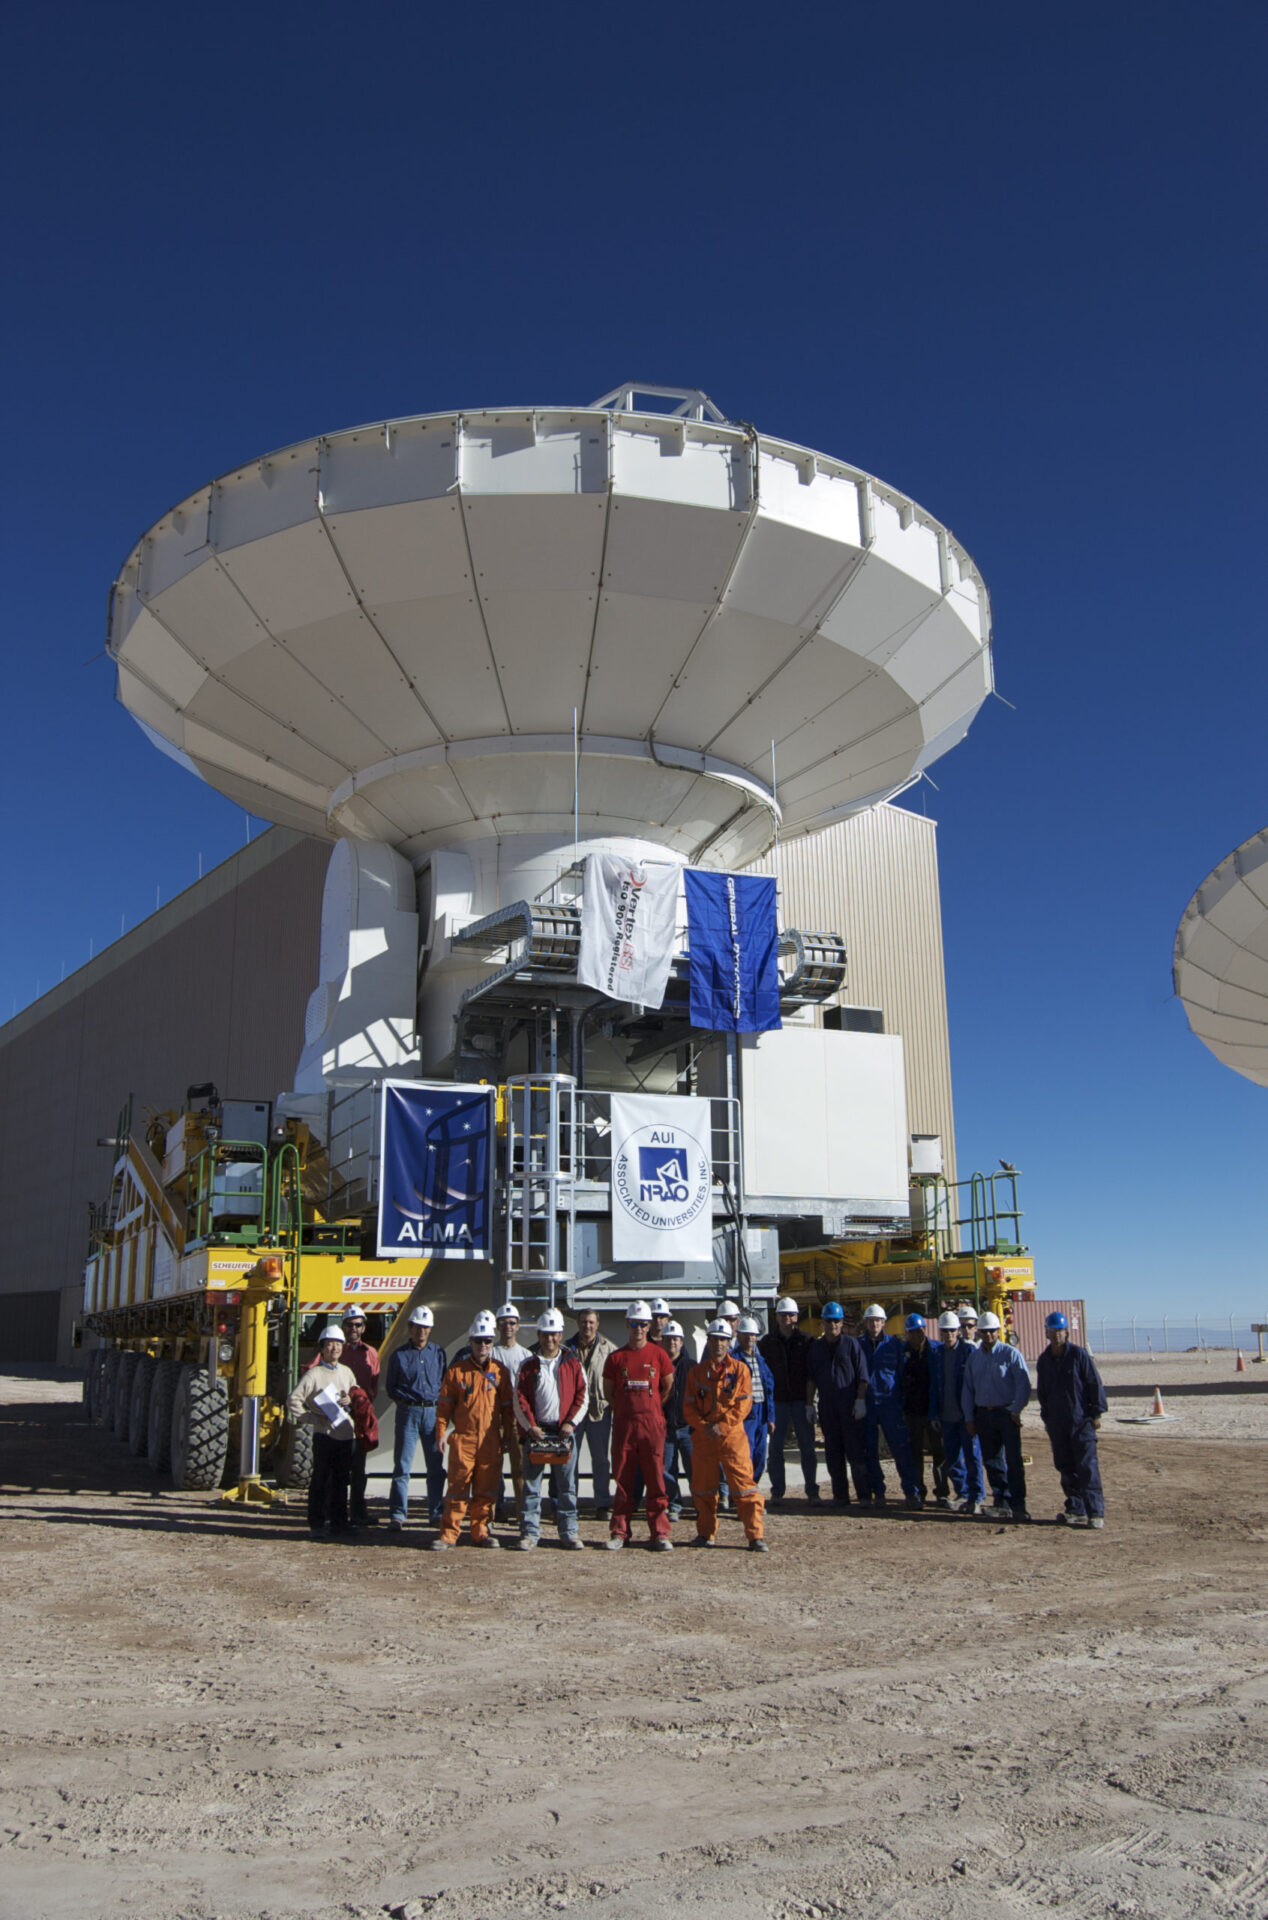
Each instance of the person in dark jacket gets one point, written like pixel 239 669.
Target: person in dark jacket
pixel 923 1426
pixel 948 1361
pixel 1071 1404
pixel 837 1371
pixel 414 1375
pixel 786 1352
pixel 884 1353
pixel 677 1431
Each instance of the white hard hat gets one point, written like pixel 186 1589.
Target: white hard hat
pixel 672 1330
pixel 989 1323
pixel 354 1313
pixel 787 1305
pixel 719 1329
pixel 638 1310
pixel 483 1327
pixel 422 1317
pixel 509 1312
pixel 948 1320
pixel 552 1321
pixel 967 1313
pixel 661 1306
pixel 875 1312
pixel 748 1325
pixel 331 1332
pixel 730 1310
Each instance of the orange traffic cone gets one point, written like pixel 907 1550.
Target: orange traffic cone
pixel 1241 1362
pixel 1159 1411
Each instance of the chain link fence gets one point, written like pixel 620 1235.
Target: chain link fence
pixel 1181 1334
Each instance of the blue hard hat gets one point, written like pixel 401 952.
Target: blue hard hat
pixel 1057 1323
pixel 913 1321
pixel 833 1311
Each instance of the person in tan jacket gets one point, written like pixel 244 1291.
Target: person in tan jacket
pixel 334 1437
pixel 474 1414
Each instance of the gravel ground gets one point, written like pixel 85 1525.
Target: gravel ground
pixel 207 1715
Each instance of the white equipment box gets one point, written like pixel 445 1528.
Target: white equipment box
pixel 825 1114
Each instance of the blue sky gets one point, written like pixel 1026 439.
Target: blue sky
pixel 1009 258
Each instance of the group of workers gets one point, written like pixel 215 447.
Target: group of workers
pixel 664 1419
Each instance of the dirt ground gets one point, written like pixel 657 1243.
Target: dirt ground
pixel 206 1714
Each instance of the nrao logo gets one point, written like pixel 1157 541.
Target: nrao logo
pixel 662 1177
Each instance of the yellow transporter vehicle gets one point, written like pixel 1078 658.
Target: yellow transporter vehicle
pixel 967 1247
pixel 208 1276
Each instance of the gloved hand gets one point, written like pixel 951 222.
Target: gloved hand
pixel 810 1412
pixel 860 1407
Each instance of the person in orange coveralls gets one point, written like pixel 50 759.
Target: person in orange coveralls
pixel 717 1401
pixel 474 1410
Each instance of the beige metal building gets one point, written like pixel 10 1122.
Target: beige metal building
pixel 214 987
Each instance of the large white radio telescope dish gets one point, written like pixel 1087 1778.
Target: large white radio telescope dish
pixel 383 633
pixel 1220 966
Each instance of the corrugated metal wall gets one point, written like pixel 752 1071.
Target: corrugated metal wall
pixel 1028 1317
pixel 874 878
pixel 212 987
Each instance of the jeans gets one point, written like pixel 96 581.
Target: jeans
pixel 792 1413
pixel 886 1417
pixel 412 1425
pixel 1000 1436
pixel 1075 1459
pixel 563 1491
pixel 757 1433
pixel 328 1488
pixel 597 1433
pixel 964 1462
pixel 677 1467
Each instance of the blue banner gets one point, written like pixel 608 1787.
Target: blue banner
pixel 436 1171
pixel 734 940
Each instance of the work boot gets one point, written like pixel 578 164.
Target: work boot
pixel 662 1544
pixel 572 1540
pixel 758 1546
pixel 614 1542
pixel 704 1540
pixel 527 1541
pixel 489 1540
pixel 398 1526
pixel 601 1513
pixel 1096 1520
pixel 441 1546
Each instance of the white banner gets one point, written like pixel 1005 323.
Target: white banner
pixel 628 920
pixel 662 1178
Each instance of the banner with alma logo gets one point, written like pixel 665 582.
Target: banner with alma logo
pixel 629 914
pixel 662 1177
pixel 436 1171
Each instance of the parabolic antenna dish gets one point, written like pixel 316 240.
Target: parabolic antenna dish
pixel 1220 966
pixel 383 633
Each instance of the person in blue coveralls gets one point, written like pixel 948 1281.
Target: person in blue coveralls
pixel 760 1424
pixel 1071 1403
pixel 414 1374
pixel 885 1354
pixel 836 1367
pixel 996 1389
pixel 947 1362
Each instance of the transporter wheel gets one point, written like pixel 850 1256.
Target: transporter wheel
pixel 292 1457
pixel 105 1386
pixel 92 1383
pixel 139 1403
pixel 158 1449
pixel 121 1403
pixel 200 1430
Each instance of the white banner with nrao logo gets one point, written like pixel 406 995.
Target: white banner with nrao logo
pixel 662 1178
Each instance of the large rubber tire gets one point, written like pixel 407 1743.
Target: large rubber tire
pixel 292 1456
pixel 105 1386
pixel 200 1431
pixel 158 1449
pixel 92 1382
pixel 139 1405
pixel 121 1404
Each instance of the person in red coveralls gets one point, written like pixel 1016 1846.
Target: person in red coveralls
pixel 637 1381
